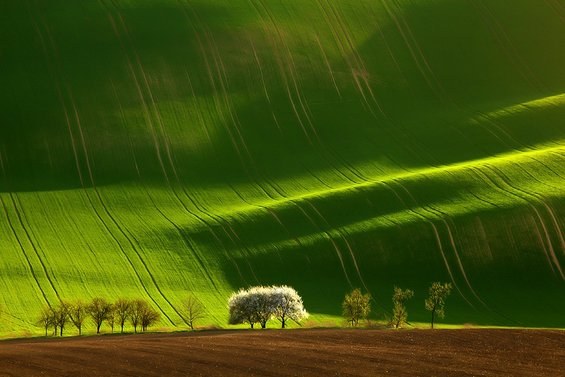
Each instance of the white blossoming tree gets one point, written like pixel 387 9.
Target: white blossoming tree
pixel 288 305
pixel 261 304
pixel 241 308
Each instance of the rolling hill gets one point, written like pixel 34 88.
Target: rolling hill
pixel 158 147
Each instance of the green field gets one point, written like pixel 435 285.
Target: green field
pixel 154 148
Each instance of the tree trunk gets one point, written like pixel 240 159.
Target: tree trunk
pixel 61 327
pixel 251 325
pixel 122 327
pixel 283 323
pixel 98 328
pixel 433 314
pixel 80 330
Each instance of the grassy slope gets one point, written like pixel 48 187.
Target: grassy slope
pixel 158 147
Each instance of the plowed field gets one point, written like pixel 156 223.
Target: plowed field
pixel 469 352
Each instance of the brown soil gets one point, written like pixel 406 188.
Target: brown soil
pixel 468 352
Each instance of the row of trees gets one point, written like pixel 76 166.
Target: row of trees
pixel 254 305
pixel 261 304
pixel 137 312
pixel 356 306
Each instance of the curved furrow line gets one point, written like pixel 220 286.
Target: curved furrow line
pixel 538 179
pixel 224 84
pixel 334 162
pixel 120 229
pixel 460 264
pixel 362 71
pixel 172 189
pixel 412 49
pixel 136 81
pixel 548 245
pixel 372 11
pixel 209 226
pixel 440 216
pixel 293 73
pixel 149 93
pixel 443 216
pixel 200 261
pixel 330 238
pixel 204 271
pixel 125 128
pixel 556 7
pixel 53 66
pixel 225 226
pixel 443 95
pixel 272 213
pixel 513 50
pixel 344 238
pixel 518 145
pixel 34 246
pixel 217 98
pixel 199 116
pixel 56 59
pixel 539 198
pixel 18 319
pixel 435 231
pixel 549 168
pixel 23 250
pixel 147 86
pixel 132 265
pixel 414 149
pixel 336 36
pixel 487 179
pixel 328 65
pixel 356 67
pixel 261 74
pixel 346 35
pixel 311 173
pixel 216 218
pixel 503 140
pixel 506 44
pixel 283 64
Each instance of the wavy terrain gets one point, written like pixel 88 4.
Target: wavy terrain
pixel 158 147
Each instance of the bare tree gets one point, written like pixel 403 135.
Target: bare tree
pixel 194 310
pixel 112 317
pixel 399 312
pixel 98 310
pixel 61 316
pixel 137 307
pixel 356 306
pixel 148 317
pixel 46 319
pixel 78 314
pixel 436 300
pixel 122 311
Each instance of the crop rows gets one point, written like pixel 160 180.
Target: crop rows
pixel 150 148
